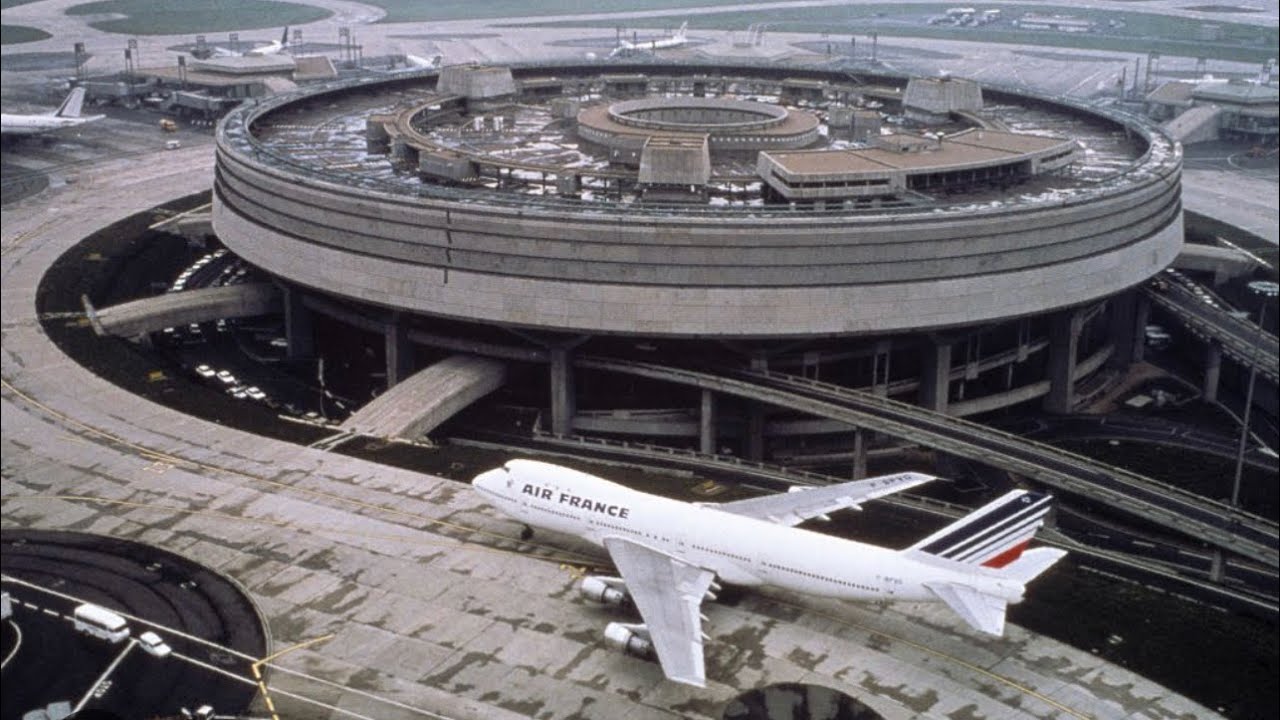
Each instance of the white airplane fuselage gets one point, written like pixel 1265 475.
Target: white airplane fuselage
pixel 739 550
pixel 36 124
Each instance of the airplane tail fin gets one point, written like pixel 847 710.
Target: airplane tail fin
pixel 993 536
pixel 683 27
pixel 985 611
pixel 284 37
pixel 70 108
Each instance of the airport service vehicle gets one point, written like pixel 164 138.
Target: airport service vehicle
pixel 67 115
pixel 100 623
pixel 669 553
pixel 152 643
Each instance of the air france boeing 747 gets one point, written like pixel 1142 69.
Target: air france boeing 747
pixel 669 553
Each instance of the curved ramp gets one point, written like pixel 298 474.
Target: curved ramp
pixel 1224 263
pixel 427 398
pixel 137 317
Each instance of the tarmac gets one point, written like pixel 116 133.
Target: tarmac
pixel 435 607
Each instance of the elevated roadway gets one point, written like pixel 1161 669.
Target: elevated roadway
pixel 1212 522
pixel 422 401
pixel 1224 263
pixel 138 317
pixel 1240 339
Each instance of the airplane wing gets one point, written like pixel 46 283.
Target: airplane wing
pixel 668 593
pixel 795 507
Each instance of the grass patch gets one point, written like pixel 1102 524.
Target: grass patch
pixel 399 11
pixel 15 34
pixel 1115 31
pixel 179 17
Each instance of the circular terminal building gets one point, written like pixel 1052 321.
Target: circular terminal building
pixel 965 248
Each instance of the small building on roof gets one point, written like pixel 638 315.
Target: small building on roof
pixel 901 162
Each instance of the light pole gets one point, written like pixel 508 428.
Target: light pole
pixel 1267 290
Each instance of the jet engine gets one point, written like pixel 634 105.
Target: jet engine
pixel 630 639
pixel 604 590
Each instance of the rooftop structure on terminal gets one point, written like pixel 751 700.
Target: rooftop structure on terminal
pixel 897 163
pixel 551 136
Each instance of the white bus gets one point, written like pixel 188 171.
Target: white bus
pixel 100 623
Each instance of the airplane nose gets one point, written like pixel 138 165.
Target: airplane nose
pixel 486 480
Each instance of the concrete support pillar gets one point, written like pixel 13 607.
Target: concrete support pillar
pixel 972 356
pixel 1141 313
pixel 859 454
pixel 755 433
pixel 707 424
pixel 1064 342
pixel 1024 339
pixel 563 399
pixel 880 368
pixel 935 377
pixel 1217 566
pixel 754 446
pixel 299 325
pixel 1126 336
pixel 399 350
pixel 812 364
pixel 1212 371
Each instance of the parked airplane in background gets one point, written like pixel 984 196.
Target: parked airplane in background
pixel 418 62
pixel 67 115
pixel 670 553
pixel 275 47
pixel 675 40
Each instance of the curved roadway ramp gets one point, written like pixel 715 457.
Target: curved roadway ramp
pixel 1207 520
pixel 1240 339
pixel 177 309
pixel 419 403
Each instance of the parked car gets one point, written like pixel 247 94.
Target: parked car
pixel 152 643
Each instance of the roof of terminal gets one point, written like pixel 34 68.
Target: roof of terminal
pixel 536 145
pixel 1246 93
pixel 966 148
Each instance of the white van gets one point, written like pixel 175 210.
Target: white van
pixel 100 623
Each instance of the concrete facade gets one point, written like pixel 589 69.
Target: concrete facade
pixel 801 274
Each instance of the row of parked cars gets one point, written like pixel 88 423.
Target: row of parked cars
pixel 233 386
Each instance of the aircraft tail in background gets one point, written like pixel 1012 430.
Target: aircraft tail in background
pixel 71 106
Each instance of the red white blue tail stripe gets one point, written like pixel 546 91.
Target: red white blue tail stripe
pixel 995 535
